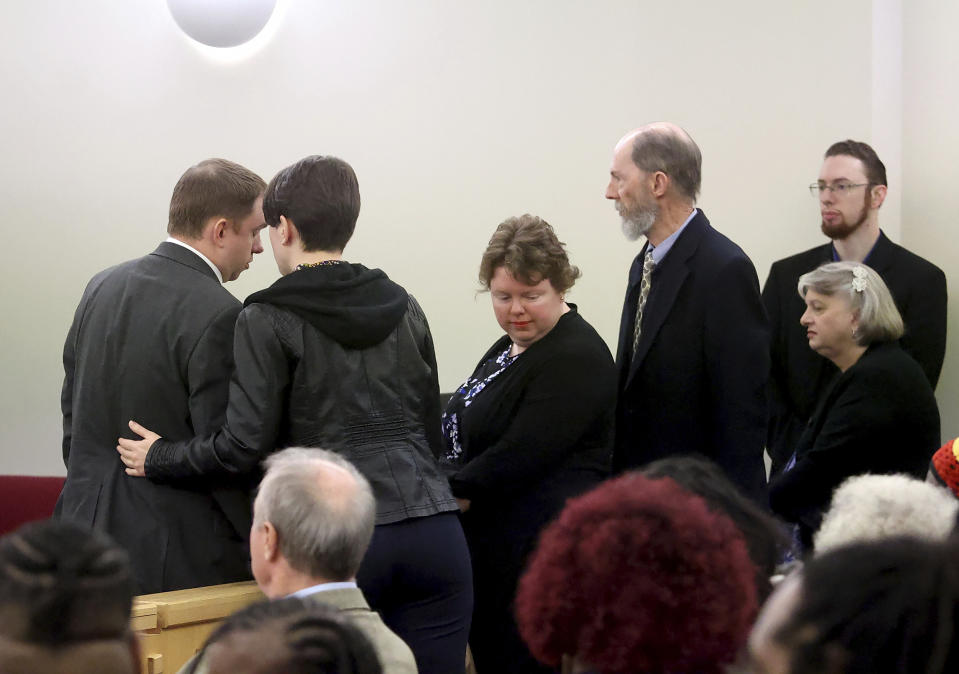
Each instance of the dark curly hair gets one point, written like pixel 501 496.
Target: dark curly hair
pixel 638 575
pixel 61 583
pixel 765 536
pixel 879 607
pixel 304 636
pixel 528 248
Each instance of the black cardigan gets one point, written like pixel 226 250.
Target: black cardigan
pixel 544 426
pixel 879 416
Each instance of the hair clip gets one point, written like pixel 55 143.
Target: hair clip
pixel 859 275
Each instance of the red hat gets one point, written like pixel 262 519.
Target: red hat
pixel 945 465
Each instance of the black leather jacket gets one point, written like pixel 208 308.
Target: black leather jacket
pixel 337 357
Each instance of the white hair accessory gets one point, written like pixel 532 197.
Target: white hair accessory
pixel 859 278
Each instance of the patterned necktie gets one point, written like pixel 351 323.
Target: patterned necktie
pixel 648 265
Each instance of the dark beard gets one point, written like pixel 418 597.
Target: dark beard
pixel 841 230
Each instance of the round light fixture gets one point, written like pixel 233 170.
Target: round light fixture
pixel 221 23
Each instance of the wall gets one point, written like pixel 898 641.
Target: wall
pixel 454 116
pixel 931 174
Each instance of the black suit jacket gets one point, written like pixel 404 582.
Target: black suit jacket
pixel 879 416
pixel 800 376
pixel 697 381
pixel 152 341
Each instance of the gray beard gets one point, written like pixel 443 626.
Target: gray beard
pixel 638 223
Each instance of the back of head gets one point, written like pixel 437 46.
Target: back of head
pixel 322 508
pixel 214 188
pixel 874 168
pixel 867 295
pixel 875 608
pixel 321 196
pixel 638 575
pixel 62 584
pixel 528 248
pixel 765 537
pixel 668 148
pixel 293 636
pixel 105 656
pixel 874 507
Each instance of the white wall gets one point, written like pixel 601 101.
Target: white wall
pixel 931 173
pixel 455 116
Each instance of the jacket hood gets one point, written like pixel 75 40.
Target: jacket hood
pixel 353 305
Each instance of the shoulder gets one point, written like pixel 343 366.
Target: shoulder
pixel 916 265
pixel 794 266
pixel 887 364
pixel 572 344
pixel 713 252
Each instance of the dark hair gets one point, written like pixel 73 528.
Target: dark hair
pixel 765 536
pixel 306 636
pixel 214 188
pixel 638 575
pixel 528 248
pixel 875 169
pixel 673 152
pixel 61 583
pixel 321 196
pixel 886 606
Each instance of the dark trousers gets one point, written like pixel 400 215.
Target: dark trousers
pixel 500 543
pixel 417 575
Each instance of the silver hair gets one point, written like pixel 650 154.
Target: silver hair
pixel 672 151
pixel 866 293
pixel 321 532
pixel 873 507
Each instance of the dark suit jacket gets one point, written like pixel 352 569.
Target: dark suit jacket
pixel 799 375
pixel 697 380
pixel 152 341
pixel 879 416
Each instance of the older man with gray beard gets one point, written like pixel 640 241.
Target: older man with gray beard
pixel 693 352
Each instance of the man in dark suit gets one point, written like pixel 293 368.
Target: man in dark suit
pixel 153 339
pixel 851 189
pixel 693 352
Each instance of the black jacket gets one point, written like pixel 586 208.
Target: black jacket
pixel 337 357
pixel 697 381
pixel 879 416
pixel 151 341
pixel 799 375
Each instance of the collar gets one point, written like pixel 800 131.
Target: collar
pixel 659 252
pixel 203 257
pixel 325 587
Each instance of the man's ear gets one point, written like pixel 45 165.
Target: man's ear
pixel 660 184
pixel 218 231
pixel 878 195
pixel 271 542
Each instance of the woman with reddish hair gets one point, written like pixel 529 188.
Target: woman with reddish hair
pixel 638 575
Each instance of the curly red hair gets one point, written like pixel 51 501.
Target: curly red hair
pixel 638 575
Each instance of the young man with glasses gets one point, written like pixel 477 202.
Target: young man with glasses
pixel 851 189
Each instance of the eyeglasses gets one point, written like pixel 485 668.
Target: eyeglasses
pixel 836 188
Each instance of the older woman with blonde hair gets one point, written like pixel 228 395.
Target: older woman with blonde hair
pixel 879 414
pixel 531 426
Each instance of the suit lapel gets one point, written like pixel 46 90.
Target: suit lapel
pixel 667 281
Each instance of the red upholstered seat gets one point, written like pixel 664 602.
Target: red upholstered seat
pixel 24 498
